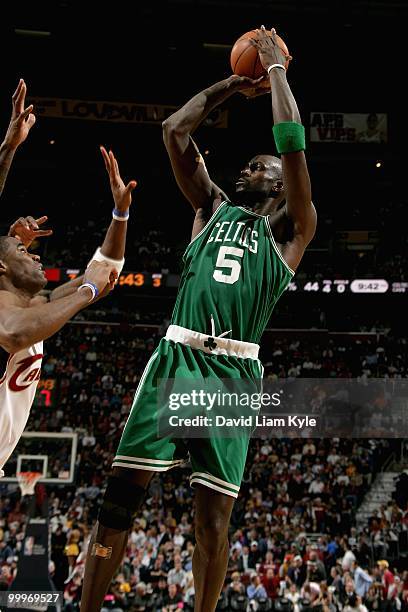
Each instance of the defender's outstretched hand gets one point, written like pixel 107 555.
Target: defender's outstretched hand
pixel 27 229
pixel 122 194
pixel 22 119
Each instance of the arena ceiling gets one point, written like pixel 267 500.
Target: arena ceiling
pixel 74 48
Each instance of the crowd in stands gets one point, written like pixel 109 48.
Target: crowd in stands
pixel 147 251
pixel 152 248
pixel 157 251
pixel 293 536
pixel 292 542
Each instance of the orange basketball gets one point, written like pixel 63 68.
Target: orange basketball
pixel 245 60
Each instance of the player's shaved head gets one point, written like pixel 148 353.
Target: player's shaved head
pixel 271 162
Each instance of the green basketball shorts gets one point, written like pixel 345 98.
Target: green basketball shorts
pixel 217 463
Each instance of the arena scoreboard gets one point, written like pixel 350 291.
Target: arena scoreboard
pixel 126 279
pixel 136 280
pixel 139 279
pixel 339 286
pixel 46 392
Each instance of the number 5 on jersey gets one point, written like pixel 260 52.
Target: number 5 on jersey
pixel 232 265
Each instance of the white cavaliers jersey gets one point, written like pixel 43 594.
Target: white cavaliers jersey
pixel 20 373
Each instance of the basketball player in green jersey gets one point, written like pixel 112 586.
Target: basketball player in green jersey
pixel 241 258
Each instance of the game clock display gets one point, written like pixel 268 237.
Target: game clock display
pixel 139 279
pixel 340 286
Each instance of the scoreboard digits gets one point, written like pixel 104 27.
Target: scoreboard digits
pixel 137 280
pixel 132 280
pixel 339 286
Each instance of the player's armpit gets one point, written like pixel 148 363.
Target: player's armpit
pixel 219 197
pixel 203 215
pixel 293 250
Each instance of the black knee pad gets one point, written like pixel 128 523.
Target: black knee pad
pixel 121 501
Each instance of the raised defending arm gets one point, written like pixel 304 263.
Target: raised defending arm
pixel 22 120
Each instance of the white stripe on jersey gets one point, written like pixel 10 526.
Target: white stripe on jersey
pixel 17 390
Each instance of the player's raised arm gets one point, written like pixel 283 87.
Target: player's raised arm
pixel 290 141
pixel 21 122
pixel 113 246
pixel 112 250
pixel 187 162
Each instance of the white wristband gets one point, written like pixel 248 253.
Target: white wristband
pixel 275 66
pixel 92 287
pixel 98 256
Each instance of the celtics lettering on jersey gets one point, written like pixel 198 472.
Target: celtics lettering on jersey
pixel 234 271
pixel 235 232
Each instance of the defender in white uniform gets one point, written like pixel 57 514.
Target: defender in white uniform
pixel 27 317
pixel 18 383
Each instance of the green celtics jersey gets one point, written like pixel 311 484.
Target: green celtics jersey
pixel 234 272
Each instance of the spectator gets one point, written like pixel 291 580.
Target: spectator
pixel 172 600
pixel 254 555
pixel 296 572
pixel 235 587
pixel 387 577
pixel 5 551
pixel 72 549
pixel 362 580
pixel 177 575
pixel 271 582
pixel 255 589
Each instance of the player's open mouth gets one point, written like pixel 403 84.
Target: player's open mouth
pixel 241 182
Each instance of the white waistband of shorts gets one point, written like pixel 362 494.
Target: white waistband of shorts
pixel 212 344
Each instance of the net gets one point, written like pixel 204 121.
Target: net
pixel 27 481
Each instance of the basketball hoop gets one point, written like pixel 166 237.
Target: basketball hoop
pixel 27 481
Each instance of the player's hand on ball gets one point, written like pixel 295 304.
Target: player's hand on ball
pixel 268 48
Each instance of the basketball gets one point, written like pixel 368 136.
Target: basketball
pixel 245 60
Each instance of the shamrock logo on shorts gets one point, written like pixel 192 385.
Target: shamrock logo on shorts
pixel 210 343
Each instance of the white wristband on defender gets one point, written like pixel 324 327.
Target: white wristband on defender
pixel 98 256
pixel 275 66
